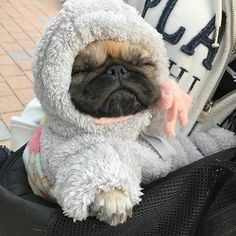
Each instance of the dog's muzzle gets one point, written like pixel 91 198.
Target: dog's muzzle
pixel 118 92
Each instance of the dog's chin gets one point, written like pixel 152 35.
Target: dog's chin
pixel 119 103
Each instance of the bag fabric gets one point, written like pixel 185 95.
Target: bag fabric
pixel 222 110
pixel 188 29
pixel 199 199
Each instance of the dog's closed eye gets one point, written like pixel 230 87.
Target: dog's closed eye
pixel 77 71
pixel 145 62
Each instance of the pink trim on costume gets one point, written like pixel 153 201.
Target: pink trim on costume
pixel 176 102
pixel 107 121
pixel 34 142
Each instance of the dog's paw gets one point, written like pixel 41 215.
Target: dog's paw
pixel 112 207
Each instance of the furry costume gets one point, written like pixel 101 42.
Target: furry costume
pixel 80 157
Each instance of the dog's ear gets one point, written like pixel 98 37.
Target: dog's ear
pixel 176 103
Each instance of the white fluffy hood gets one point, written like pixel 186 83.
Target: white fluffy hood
pixel 76 25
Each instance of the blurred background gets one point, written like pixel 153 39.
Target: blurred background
pixel 21 24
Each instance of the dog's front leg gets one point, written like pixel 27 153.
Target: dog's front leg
pixel 97 181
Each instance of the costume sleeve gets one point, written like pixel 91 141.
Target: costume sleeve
pixel 214 140
pixel 98 168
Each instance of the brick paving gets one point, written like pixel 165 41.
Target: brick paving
pixel 21 24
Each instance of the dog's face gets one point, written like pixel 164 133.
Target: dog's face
pixel 111 79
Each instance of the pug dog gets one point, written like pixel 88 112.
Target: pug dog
pixel 114 79
pixel 94 164
pixel 100 74
pixel 111 80
pixel 102 78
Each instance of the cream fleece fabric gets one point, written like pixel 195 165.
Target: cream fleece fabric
pixel 78 156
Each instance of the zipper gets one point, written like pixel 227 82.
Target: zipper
pixel 209 104
pixel 205 112
pixel 233 6
pixel 204 115
pixel 226 101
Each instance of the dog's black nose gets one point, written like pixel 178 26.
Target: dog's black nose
pixel 118 71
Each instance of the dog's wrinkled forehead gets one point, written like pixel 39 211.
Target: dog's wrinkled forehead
pixel 97 52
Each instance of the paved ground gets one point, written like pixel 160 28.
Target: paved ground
pixel 21 23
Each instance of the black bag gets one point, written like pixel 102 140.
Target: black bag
pixel 199 199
